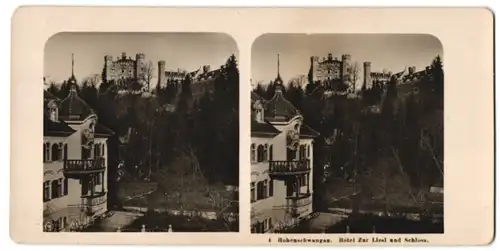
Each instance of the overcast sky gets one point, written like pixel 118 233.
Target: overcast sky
pixel 385 51
pixel 187 51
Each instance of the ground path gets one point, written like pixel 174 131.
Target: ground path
pixel 118 219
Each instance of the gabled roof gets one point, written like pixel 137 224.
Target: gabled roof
pixel 308 132
pixel 47 96
pixel 263 129
pixel 56 129
pixel 101 130
pixel 255 97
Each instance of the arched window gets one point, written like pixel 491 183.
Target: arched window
pixel 271 152
pixel 260 153
pixel 97 150
pixel 55 152
pixel 265 152
pixel 302 152
pixel 60 151
pixel 252 153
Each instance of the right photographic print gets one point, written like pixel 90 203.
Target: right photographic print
pixel 347 134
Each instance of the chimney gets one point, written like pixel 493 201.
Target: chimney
pixel 124 55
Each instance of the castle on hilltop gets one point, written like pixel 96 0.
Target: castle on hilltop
pixel 124 68
pixel 337 75
pixel 332 73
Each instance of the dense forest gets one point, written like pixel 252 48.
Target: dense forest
pixel 387 141
pixel 158 135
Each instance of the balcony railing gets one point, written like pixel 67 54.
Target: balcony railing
pixel 296 205
pixel 92 204
pixel 84 165
pixel 289 167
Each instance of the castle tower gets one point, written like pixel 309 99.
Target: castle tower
pixel 314 67
pixel 140 63
pixel 161 73
pixel 411 70
pixel 367 69
pixel 108 63
pixel 346 62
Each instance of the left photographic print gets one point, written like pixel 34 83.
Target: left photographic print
pixel 141 133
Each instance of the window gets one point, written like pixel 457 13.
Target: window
pixel 65 151
pixel 260 153
pixel 47 152
pixel 60 151
pixel 260 190
pixel 302 152
pixel 86 152
pixel 271 152
pixel 252 192
pixel 57 225
pixel 57 189
pixel 265 189
pixel 252 153
pixel 271 188
pixel 303 181
pixel 265 152
pixel 55 152
pixel 102 149
pixel 53 114
pixel 308 151
pixel 63 223
pixel 97 150
pixel 65 186
pixel 266 224
pixel 46 191
pixel 97 179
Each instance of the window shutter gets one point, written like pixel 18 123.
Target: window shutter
pixel 271 188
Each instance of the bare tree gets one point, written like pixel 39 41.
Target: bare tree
pixel 93 80
pixel 354 70
pixel 298 81
pixel 148 74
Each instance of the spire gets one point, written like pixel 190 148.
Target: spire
pixel 72 79
pixel 278 65
pixel 72 65
pixel 278 81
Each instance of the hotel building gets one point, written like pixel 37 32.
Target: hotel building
pixel 282 159
pixel 74 162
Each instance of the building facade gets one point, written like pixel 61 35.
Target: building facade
pixel 332 73
pixel 281 163
pixel 202 79
pixel 123 69
pixel 74 163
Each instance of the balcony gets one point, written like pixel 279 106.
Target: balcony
pixel 92 204
pixel 279 168
pixel 75 167
pixel 296 205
